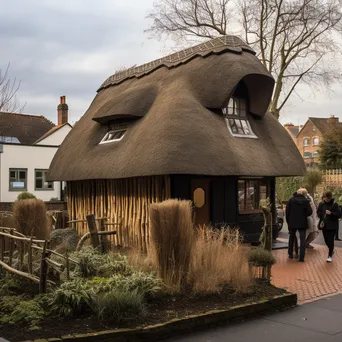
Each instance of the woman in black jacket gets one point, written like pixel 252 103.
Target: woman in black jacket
pixel 329 213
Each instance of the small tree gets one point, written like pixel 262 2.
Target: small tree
pixel 312 178
pixel 330 151
pixel 287 186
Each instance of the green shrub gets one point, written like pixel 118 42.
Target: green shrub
pixel 25 195
pixel 9 285
pixel 143 283
pixel 72 298
pixel 260 257
pixel 117 306
pixel 93 263
pixel 23 312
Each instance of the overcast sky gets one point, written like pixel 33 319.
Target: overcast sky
pixel 58 47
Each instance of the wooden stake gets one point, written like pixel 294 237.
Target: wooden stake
pixel 43 271
pixel 103 238
pixel 93 231
pixel 29 257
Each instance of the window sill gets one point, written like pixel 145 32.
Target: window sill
pixel 43 189
pixel 17 190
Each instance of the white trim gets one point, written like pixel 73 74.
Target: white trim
pixel 104 141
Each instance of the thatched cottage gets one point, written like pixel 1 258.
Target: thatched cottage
pixel 192 125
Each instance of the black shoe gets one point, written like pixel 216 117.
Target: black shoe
pixel 338 239
pixel 290 256
pixel 300 260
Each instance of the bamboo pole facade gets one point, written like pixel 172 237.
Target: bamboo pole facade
pixel 124 201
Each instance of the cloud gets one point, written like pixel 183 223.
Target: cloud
pixel 69 48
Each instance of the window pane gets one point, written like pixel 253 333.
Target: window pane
pixel 252 202
pixel 233 126
pixel 39 174
pixel 241 192
pixel 22 175
pixel 231 107
pixel 239 127
pixel 13 174
pixel 263 192
pixel 246 127
pixel 39 183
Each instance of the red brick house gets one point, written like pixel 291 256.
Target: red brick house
pixel 309 137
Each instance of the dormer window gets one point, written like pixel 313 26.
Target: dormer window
pixel 236 118
pixel 115 135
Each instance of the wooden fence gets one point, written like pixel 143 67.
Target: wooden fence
pixel 18 249
pixel 331 179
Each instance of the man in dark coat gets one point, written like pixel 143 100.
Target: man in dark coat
pixel 329 213
pixel 297 211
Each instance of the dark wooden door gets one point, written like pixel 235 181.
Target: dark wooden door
pixel 200 192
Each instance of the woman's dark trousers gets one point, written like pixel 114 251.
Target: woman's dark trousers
pixel 302 235
pixel 329 237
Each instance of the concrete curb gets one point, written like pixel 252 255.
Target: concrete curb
pixel 184 325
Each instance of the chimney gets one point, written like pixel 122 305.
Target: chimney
pixel 333 119
pixel 62 111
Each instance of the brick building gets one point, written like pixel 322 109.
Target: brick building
pixel 308 137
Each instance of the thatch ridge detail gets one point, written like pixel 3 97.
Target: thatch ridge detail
pixel 215 46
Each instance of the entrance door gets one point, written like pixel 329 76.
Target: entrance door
pixel 200 190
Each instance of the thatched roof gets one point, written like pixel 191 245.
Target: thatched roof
pixel 177 125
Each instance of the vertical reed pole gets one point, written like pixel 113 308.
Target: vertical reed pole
pixel 103 238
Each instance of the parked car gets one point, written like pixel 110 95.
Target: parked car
pixel 280 215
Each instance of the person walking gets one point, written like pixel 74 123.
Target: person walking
pixel 329 214
pixel 313 220
pixel 298 209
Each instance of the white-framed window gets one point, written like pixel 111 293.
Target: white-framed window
pixel 236 118
pixel 114 135
pixel 40 182
pixel 17 179
pixel 315 154
pixel 306 142
pixel 316 141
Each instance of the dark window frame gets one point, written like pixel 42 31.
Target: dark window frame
pixel 236 117
pixel 17 178
pixel 43 178
pixel 261 182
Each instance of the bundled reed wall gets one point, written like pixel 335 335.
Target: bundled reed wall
pixel 124 201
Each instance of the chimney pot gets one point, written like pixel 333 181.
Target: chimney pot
pixel 62 100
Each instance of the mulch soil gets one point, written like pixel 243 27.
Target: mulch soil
pixel 157 311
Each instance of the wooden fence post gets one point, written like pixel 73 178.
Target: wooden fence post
pixel 29 257
pixel 94 238
pixel 43 270
pixel 11 248
pixel 103 238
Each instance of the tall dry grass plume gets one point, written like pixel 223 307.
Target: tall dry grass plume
pixel 203 260
pixel 173 239
pixel 31 218
pixel 218 260
pixel 7 220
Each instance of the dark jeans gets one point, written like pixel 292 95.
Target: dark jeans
pixel 293 237
pixel 329 237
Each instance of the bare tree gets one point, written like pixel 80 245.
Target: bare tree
pixel 292 38
pixel 8 91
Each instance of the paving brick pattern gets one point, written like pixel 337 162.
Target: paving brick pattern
pixel 312 279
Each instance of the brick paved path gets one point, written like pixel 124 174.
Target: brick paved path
pixel 312 279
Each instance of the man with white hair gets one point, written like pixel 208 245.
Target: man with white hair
pixel 297 211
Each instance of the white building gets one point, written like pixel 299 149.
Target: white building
pixel 27 145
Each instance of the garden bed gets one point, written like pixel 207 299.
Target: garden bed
pixel 158 310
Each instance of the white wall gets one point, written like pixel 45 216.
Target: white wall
pixel 56 138
pixel 30 158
